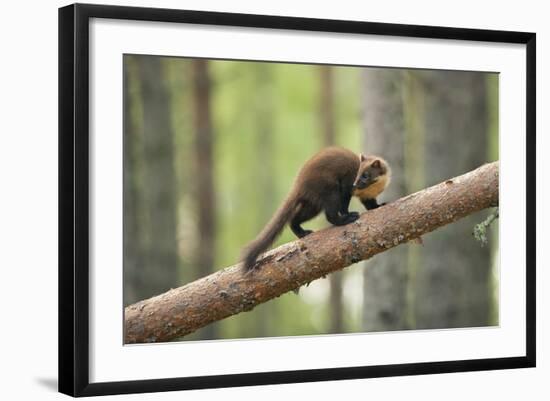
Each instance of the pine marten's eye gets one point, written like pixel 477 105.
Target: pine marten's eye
pixel 366 175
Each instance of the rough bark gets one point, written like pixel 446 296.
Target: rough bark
pixel 327 105
pixel 230 291
pixel 156 216
pixel 327 119
pixel 264 114
pixel 414 166
pixel 385 278
pixel 452 282
pixel 133 237
pixel 204 194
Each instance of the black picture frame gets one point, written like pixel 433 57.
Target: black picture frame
pixel 74 193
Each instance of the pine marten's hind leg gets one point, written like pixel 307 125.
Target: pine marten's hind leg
pixel 307 212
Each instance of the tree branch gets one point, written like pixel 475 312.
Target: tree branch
pixel 230 291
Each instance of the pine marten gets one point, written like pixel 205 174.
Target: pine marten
pixel 326 182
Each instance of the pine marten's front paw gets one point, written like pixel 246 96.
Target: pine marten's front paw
pixel 304 233
pixel 351 217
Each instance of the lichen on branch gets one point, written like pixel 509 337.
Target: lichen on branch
pixel 480 230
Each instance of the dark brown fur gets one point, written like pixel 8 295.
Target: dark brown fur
pixel 325 183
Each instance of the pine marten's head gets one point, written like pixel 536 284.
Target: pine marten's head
pixel 372 178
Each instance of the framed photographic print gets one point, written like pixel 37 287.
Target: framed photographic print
pixel 253 199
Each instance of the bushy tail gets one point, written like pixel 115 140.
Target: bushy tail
pixel 270 232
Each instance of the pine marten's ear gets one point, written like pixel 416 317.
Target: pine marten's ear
pixel 376 164
pixel 362 157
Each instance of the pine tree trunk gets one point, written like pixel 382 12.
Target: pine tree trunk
pixel 132 236
pixel 452 282
pixel 158 264
pixel 327 115
pixel 264 120
pixel 204 165
pixel 385 276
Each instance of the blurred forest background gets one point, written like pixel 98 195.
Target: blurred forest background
pixel 212 147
